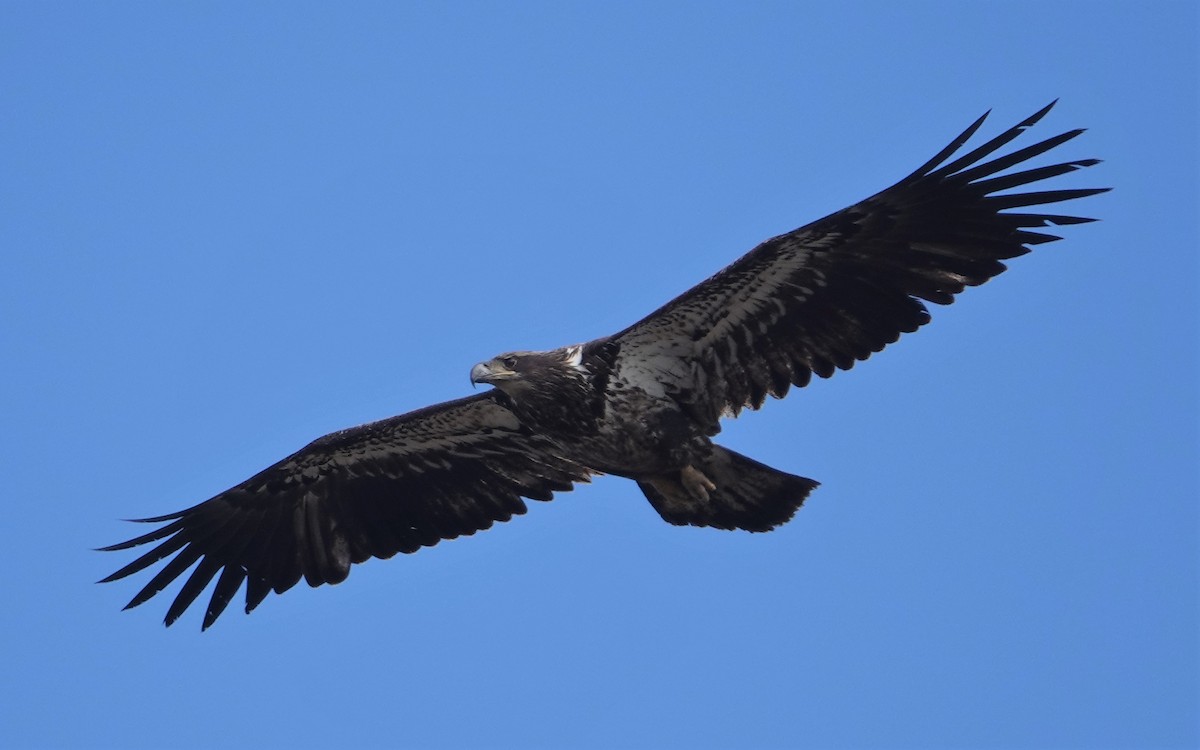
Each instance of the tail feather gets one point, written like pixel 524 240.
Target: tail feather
pixel 748 495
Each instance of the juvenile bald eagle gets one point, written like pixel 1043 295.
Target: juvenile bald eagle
pixel 644 403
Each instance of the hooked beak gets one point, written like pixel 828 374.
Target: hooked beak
pixel 489 372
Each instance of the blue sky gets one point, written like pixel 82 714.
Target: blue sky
pixel 229 229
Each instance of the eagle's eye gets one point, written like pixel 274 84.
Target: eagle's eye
pixel 509 362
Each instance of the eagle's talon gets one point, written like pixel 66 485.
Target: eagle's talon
pixel 696 484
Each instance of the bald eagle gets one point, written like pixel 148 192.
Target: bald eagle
pixel 643 403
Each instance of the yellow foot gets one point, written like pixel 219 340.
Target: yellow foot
pixel 696 484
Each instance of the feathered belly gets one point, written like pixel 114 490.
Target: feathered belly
pixel 642 437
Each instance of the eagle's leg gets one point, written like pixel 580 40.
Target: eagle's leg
pixel 696 484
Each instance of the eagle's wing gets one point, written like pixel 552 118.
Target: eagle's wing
pixel 371 491
pixel 819 298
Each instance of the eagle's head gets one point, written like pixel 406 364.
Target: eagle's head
pixel 511 372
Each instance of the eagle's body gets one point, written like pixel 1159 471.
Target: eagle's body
pixel 614 420
pixel 644 403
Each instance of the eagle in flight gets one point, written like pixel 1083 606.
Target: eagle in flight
pixel 643 403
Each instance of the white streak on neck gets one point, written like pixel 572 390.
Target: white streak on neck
pixel 574 356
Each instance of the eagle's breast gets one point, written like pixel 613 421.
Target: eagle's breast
pixel 559 402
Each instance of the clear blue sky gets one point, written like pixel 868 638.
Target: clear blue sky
pixel 229 229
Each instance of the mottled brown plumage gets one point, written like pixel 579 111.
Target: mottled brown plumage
pixel 642 404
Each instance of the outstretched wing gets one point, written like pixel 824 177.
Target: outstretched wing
pixel 391 486
pixel 819 298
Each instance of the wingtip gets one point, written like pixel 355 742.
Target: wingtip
pixel 1044 110
pixel 158 519
pixel 974 127
pixel 1032 120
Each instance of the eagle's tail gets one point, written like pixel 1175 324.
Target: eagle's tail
pixel 747 495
